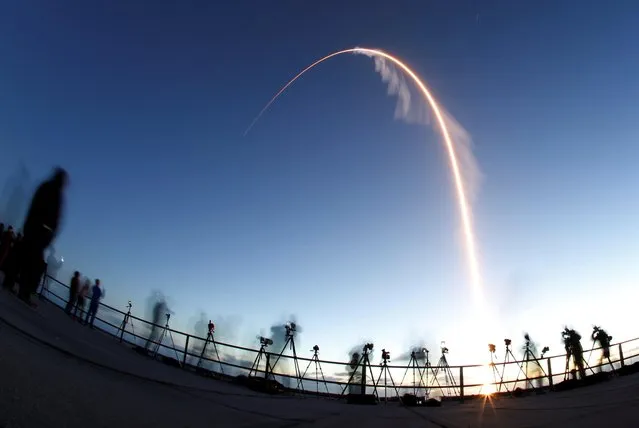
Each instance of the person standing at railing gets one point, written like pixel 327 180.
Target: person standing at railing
pixel 82 297
pixel 40 229
pixel 12 264
pixel 73 292
pixel 96 295
pixel 159 309
pixel 6 240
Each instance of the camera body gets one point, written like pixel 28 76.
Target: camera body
pixel 315 348
pixel 385 355
pixel 211 327
pixel 507 342
pixel 168 316
pixel 265 341
pixel 368 347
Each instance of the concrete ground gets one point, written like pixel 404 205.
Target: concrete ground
pixel 56 373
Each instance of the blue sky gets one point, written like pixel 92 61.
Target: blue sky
pixel 330 209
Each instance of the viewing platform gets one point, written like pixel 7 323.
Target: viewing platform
pixel 57 372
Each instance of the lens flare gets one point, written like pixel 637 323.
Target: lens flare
pixel 462 200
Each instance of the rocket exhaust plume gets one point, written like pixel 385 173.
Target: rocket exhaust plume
pixel 459 155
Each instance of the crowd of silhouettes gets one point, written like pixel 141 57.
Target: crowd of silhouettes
pixel 22 254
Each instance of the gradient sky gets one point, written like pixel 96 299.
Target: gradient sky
pixel 330 209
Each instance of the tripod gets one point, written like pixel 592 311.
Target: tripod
pixel 290 341
pixel 386 372
pixel 580 363
pixel 211 339
pixel 494 368
pixel 414 365
pixel 127 319
pixel 161 339
pixel 507 359
pixel 528 356
pixel 318 366
pixel 448 374
pixel 364 362
pixel 262 353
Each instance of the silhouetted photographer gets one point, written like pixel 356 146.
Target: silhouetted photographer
pixel 572 343
pixel 600 336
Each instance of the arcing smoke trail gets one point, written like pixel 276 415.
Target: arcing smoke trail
pixel 397 86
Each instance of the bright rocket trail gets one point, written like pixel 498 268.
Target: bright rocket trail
pixel 464 207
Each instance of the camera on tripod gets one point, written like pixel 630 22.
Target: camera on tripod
pixel 168 316
pixel 211 327
pixel 368 347
pixel 315 348
pixel 265 341
pixel 508 342
pixel 129 305
pixel 385 355
pixel 544 350
pixel 491 348
pixel 290 327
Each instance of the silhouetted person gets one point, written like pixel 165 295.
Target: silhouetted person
pixel 12 264
pixel 6 240
pixel 159 309
pixel 1 228
pixel 96 294
pixel 40 229
pixel 51 269
pixel 600 336
pixel 572 343
pixel 74 288
pixel 83 294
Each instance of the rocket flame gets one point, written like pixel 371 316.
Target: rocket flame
pixel 464 206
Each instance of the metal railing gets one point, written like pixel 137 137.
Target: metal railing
pixel 234 360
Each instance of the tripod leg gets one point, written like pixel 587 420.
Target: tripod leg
pixel 206 342
pixel 177 357
pixel 323 378
pixel 217 355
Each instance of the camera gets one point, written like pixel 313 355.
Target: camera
pixel 211 327
pixel 543 351
pixel 129 304
pixel 368 347
pixel 290 328
pixel 315 348
pixel 491 348
pixel 265 341
pixel 508 342
pixel 168 316
pixel 385 355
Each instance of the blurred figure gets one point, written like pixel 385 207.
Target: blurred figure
pixel 82 298
pixel 52 268
pixel 1 228
pixel 74 288
pixel 40 229
pixel 96 295
pixel 12 264
pixel 600 336
pixel 572 343
pixel 6 240
pixel 160 309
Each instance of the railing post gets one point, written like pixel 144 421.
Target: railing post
pixel 461 384
pixel 43 282
pixel 549 373
pixel 621 356
pixel 186 350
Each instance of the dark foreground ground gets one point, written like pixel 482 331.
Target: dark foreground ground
pixel 55 373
